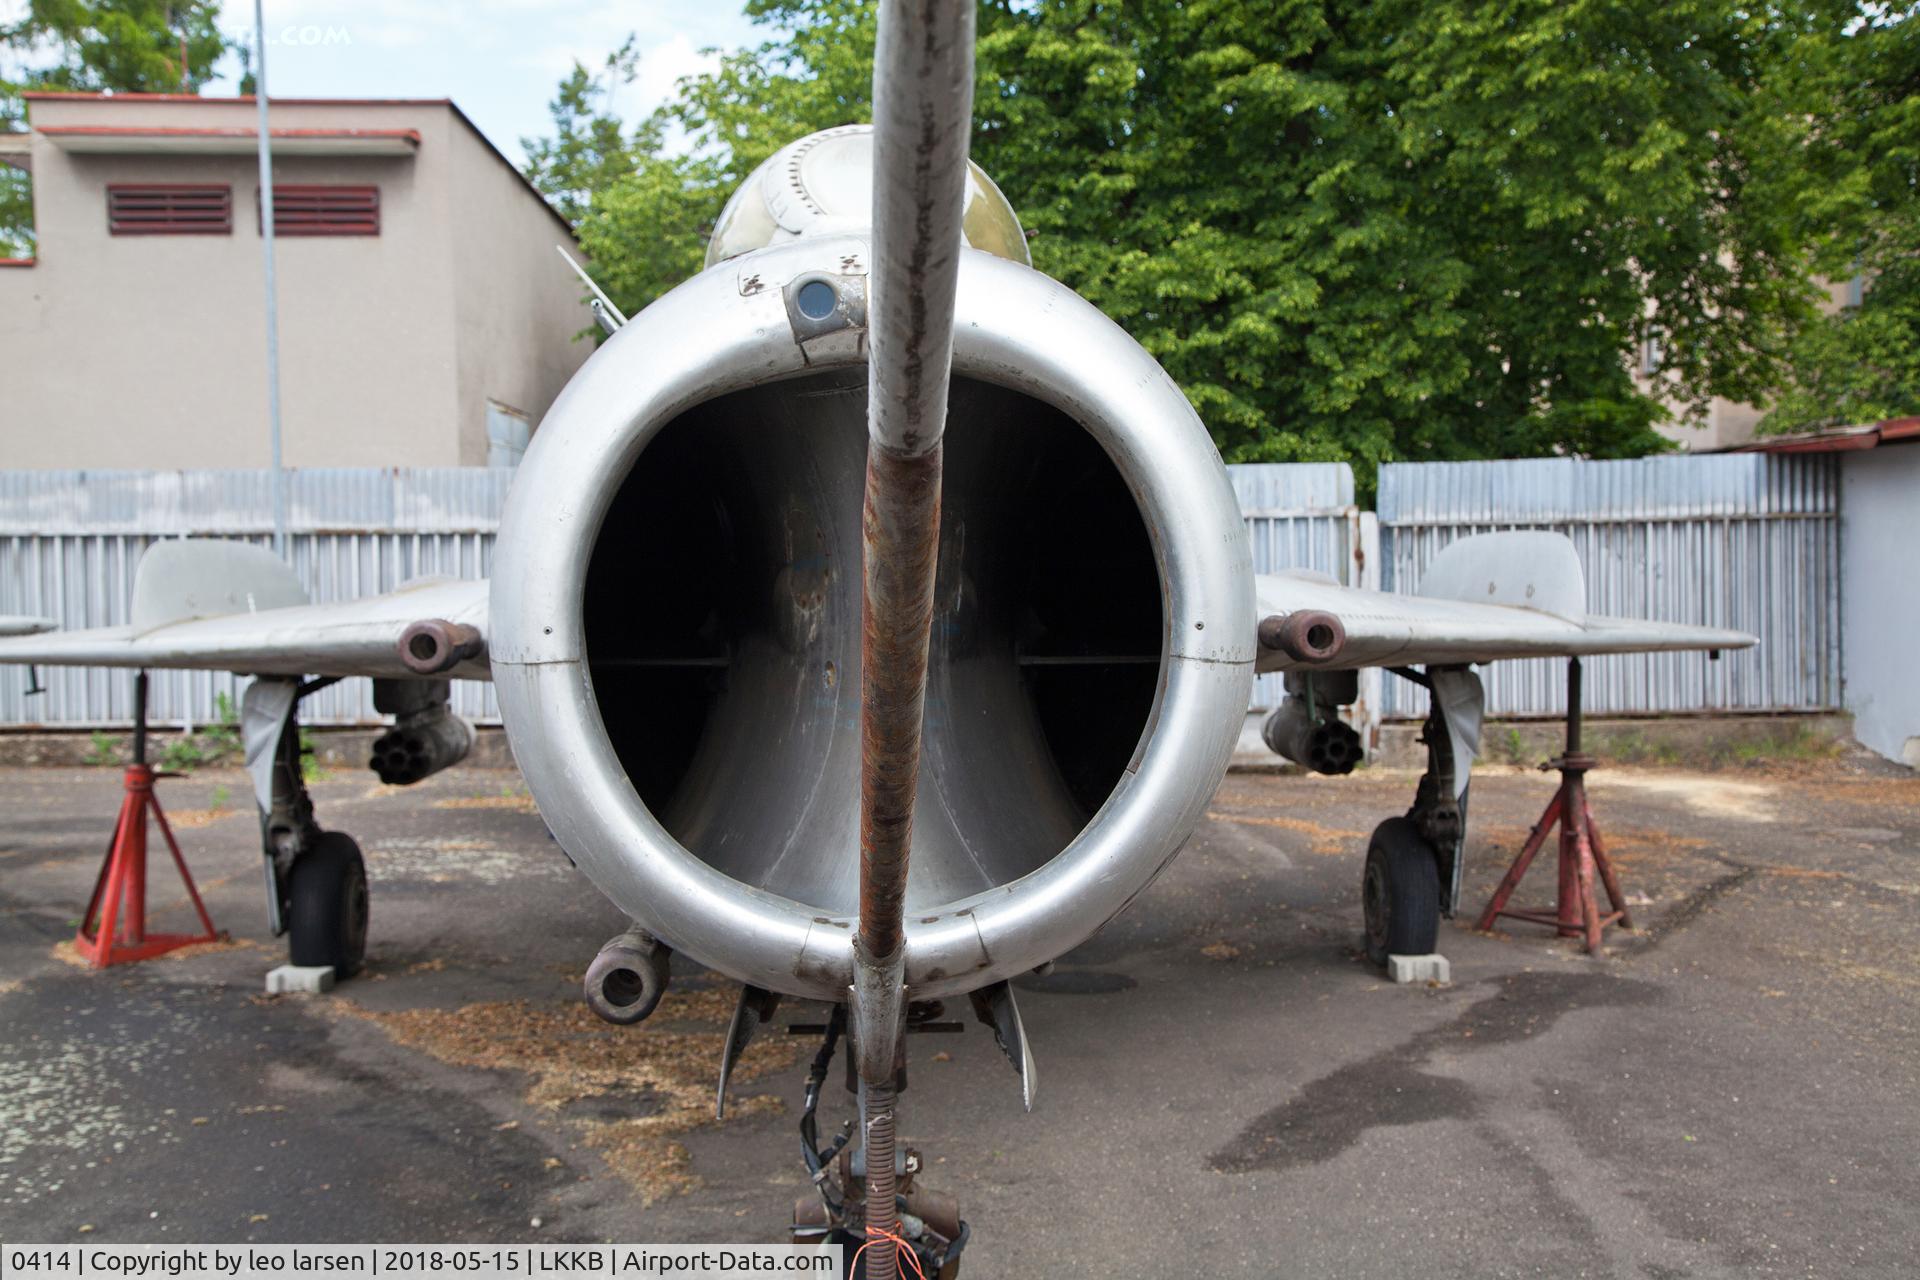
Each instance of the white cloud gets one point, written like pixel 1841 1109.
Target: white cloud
pixel 662 66
pixel 665 65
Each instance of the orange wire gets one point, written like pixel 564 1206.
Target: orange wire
pixel 901 1249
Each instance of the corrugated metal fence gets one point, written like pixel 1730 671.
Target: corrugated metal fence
pixel 1744 540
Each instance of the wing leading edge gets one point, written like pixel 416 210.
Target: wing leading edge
pixel 1524 599
pixel 351 638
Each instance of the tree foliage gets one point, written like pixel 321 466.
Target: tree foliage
pixel 16 213
pixel 1861 362
pixel 590 150
pixel 1349 230
pixel 130 46
pixel 85 46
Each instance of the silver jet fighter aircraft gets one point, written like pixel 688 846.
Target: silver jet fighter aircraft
pixel 872 619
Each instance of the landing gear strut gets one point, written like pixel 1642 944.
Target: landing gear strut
pixel 924 1235
pixel 316 880
pixel 929 1222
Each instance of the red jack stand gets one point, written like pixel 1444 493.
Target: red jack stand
pixel 114 928
pixel 1582 854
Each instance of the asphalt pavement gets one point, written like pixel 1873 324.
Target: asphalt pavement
pixel 1225 1087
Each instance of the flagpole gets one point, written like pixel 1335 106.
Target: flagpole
pixel 273 305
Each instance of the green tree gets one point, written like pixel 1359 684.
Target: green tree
pixel 1861 74
pixel 133 46
pixel 1349 230
pixel 85 46
pixel 590 150
pixel 667 202
pixel 16 212
pixel 621 188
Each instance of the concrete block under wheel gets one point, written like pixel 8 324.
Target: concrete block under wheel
pixel 300 979
pixel 1404 969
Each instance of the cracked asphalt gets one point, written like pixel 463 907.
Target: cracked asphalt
pixel 1224 1086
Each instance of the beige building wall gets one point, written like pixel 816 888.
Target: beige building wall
pixel 518 307
pixel 1728 423
pixel 149 350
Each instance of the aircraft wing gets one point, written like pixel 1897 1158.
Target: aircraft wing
pixel 1500 595
pixel 228 607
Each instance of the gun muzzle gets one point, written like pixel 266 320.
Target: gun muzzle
pixel 1305 635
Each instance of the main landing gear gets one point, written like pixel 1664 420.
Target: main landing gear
pixel 316 880
pixel 1400 892
pixel 327 905
pixel 1412 875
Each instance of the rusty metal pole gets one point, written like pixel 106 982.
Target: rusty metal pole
pixel 922 116
pixel 901 534
pixel 1572 920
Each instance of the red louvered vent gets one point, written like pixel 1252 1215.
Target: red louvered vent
pixel 326 211
pixel 169 209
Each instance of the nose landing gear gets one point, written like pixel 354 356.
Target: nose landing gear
pixel 931 1237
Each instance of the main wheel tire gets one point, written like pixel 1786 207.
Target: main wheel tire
pixel 328 920
pixel 1401 892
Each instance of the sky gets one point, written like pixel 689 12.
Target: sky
pixel 498 59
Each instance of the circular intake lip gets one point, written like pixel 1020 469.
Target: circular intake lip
pixel 1015 328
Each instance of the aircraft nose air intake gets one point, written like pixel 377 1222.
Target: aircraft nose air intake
pixel 788 663
pixel 676 621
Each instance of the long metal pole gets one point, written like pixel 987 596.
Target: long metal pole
pixel 140 716
pixel 922 116
pixel 1573 706
pixel 273 297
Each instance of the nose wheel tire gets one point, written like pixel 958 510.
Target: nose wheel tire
pixel 1400 892
pixel 327 923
